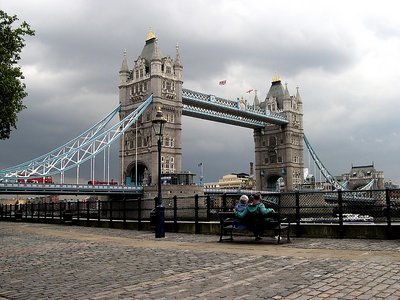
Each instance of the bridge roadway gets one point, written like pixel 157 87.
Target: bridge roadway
pixel 44 261
pixel 68 189
pixel 89 189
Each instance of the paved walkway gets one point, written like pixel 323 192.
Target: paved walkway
pixel 43 261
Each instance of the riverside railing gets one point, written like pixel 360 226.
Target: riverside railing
pixel 300 207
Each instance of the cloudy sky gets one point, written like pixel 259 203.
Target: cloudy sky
pixel 344 56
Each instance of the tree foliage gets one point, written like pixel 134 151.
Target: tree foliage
pixel 12 89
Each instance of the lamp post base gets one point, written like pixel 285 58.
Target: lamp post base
pixel 160 221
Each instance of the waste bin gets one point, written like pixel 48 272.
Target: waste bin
pixel 153 219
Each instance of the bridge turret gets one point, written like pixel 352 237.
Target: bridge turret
pixel 123 78
pixel 287 102
pixel 178 68
pixel 299 101
pixel 124 71
pixel 256 101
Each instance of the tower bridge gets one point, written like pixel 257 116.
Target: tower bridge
pixel 277 122
pixel 157 81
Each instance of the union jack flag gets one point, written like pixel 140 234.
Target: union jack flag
pixel 222 82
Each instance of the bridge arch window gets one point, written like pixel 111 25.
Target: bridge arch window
pixel 172 164
pixel 140 141
pixel 141 73
pixel 137 74
pixel 272 141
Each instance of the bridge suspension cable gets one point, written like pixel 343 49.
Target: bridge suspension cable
pixel 77 151
pixel 82 138
pixel 321 167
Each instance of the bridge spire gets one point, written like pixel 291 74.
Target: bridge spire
pixel 256 101
pixel 298 97
pixel 177 61
pixel 124 71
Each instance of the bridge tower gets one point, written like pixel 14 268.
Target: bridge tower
pixel 279 149
pixel 161 76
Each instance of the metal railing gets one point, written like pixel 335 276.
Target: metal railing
pixel 337 207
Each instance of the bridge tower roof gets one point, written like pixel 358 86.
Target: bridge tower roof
pixel 277 91
pixel 151 50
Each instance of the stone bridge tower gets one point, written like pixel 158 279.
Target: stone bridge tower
pixel 161 76
pixel 279 149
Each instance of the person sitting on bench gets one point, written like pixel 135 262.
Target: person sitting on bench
pixel 240 207
pixel 255 215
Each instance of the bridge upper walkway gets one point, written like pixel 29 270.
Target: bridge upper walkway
pixel 210 107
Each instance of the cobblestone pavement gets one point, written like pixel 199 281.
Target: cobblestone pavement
pixel 43 261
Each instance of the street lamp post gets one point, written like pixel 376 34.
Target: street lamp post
pixel 158 125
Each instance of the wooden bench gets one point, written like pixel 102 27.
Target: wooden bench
pixel 229 225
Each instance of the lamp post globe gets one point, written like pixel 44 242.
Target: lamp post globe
pixel 158 126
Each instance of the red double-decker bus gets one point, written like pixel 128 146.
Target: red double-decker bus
pixel 47 179
pixel 103 182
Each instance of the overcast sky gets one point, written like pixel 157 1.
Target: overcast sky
pixel 344 56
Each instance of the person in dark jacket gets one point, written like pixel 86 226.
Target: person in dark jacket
pixel 255 215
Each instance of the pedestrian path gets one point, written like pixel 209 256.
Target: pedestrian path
pixel 47 261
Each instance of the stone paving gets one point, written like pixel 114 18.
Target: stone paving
pixel 43 261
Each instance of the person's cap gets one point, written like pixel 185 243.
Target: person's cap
pixel 244 199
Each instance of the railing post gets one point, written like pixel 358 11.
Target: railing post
pixel 26 210
pixel 196 214
pixel 87 212
pixel 175 198
pixel 111 212
pixel 388 214
pixel 52 211
pixel 298 217
pixel 32 210
pixel 139 213
pixel 60 210
pixel 224 202
pixel 208 203
pixel 98 212
pixel 45 211
pixel 78 211
pixel 39 208
pixel 340 203
pixel 124 213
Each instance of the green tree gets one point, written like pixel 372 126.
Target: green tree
pixel 12 89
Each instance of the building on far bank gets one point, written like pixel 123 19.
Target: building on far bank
pixel 360 176
pixel 233 181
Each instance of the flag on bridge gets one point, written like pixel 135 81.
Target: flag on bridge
pixel 249 91
pixel 222 82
